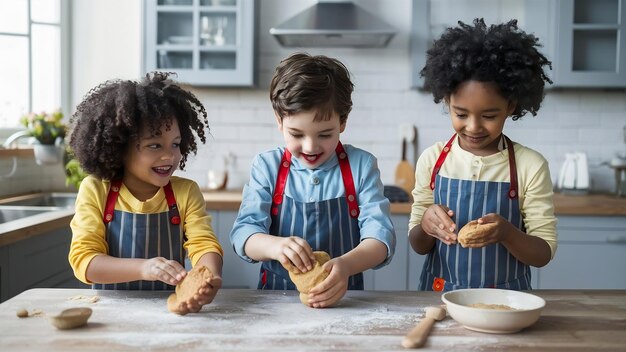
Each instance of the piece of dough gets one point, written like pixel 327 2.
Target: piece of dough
pixel 491 306
pixel 306 281
pixel 187 288
pixel 472 230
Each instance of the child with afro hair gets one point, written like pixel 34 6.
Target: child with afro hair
pixel 135 222
pixel 484 75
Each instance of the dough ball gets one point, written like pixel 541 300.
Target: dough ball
pixel 306 281
pixel 187 288
pixel 22 313
pixel 473 230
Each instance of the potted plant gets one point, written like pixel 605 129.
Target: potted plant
pixel 49 133
pixel 74 173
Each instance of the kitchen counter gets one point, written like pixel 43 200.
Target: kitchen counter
pixel 564 204
pixel 17 230
pixel 277 321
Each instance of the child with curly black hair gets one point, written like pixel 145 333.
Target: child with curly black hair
pixel 484 75
pixel 134 220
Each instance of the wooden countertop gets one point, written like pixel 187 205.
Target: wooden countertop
pixel 276 321
pixel 590 205
pixel 593 204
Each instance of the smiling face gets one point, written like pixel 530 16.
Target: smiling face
pixel 478 114
pixel 312 142
pixel 151 160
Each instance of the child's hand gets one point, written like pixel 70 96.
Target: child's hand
pixel 159 268
pixel 205 295
pixel 437 222
pixel 496 234
pixel 294 251
pixel 329 291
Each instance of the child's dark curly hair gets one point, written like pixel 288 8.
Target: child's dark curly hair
pixel 116 112
pixel 502 54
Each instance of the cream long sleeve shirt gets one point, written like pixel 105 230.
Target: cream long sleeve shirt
pixel 534 183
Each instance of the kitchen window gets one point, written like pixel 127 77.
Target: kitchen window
pixel 34 58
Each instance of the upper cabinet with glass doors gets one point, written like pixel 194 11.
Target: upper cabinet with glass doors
pixel 584 39
pixel 206 42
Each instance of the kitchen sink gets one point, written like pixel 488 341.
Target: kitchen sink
pixel 10 213
pixel 51 199
pixel 25 206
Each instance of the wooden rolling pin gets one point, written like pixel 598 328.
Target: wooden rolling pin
pixel 416 338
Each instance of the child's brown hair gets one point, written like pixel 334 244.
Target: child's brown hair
pixel 302 82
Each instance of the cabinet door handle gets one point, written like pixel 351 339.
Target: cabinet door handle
pixel 616 239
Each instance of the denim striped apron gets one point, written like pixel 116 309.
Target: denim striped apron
pixel 145 236
pixel 454 267
pixel 330 225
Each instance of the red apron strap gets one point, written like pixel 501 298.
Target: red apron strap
pixel 513 193
pixel 346 175
pixel 109 207
pixel 348 181
pixel 281 181
pixel 440 160
pixel 114 192
pixel 171 204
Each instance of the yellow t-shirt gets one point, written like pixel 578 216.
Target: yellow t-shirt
pixel 88 228
pixel 533 177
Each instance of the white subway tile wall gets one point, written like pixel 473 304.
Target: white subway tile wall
pixel 242 122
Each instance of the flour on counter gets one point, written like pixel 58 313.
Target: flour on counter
pixel 90 299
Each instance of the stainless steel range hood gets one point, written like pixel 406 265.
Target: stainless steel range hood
pixel 334 24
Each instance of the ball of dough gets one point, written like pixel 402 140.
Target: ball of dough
pixel 472 230
pixel 306 281
pixel 187 288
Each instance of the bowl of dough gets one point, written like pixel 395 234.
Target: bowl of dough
pixel 493 310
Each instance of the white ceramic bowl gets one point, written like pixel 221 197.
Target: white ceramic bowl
pixel 527 309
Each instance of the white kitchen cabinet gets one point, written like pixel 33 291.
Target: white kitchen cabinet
pixel 591 254
pixel 394 276
pixel 236 272
pixel 416 262
pixel 584 39
pixel 206 42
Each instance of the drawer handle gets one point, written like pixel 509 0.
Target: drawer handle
pixel 616 239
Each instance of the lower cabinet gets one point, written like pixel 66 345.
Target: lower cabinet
pixel 236 273
pixel 4 274
pixel 591 254
pixel 405 265
pixel 36 262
